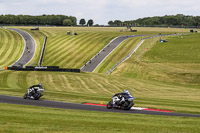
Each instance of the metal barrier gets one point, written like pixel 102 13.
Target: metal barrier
pixel 42 53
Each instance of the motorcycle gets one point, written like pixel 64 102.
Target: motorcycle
pixel 34 93
pixel 124 102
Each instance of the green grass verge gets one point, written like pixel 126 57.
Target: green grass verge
pixel 11 47
pixel 19 118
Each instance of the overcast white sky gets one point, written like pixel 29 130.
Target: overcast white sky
pixel 101 11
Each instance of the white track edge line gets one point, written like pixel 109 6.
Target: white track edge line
pixel 109 54
pixel 101 50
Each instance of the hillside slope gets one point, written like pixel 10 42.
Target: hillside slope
pixel 177 61
pixel 11 47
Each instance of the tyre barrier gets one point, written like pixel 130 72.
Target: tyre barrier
pixel 43 68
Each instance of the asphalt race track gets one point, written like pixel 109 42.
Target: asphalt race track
pixel 99 57
pixel 29 49
pixel 63 105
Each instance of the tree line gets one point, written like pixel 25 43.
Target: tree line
pixel 178 20
pixel 57 20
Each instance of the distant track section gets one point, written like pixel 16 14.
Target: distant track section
pixel 63 105
pixel 135 49
pixel 92 64
pixel 29 49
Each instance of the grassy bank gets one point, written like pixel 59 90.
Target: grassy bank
pixel 91 87
pixel 175 62
pixel 11 47
pixel 17 118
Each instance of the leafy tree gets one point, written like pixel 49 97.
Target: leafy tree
pixel 117 23
pixel 67 22
pixel 111 23
pixel 167 20
pixel 90 22
pixel 36 20
pixel 82 22
pixel 73 19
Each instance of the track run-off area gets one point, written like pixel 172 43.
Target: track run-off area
pixel 87 107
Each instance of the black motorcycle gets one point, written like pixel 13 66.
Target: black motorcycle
pixel 34 93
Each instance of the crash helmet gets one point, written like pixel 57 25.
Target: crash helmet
pixel 40 85
pixel 126 92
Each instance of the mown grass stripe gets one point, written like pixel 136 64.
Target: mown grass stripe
pixel 87 50
pixel 61 39
pixel 11 47
pixel 99 85
pixel 52 50
pixel 6 43
pixel 12 50
pixel 77 54
pixel 84 85
pixel 72 47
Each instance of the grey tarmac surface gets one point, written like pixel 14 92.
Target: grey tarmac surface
pixel 29 49
pixel 63 105
pixel 99 57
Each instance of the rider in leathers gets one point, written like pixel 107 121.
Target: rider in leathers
pixel 32 89
pixel 119 97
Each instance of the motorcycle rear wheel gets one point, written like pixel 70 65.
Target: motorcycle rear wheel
pixel 37 96
pixel 127 105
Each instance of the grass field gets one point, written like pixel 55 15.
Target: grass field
pixel 11 47
pixel 18 119
pixel 177 61
pixel 155 77
pixel 77 50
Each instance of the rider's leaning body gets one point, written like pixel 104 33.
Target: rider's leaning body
pixel 119 97
pixel 32 89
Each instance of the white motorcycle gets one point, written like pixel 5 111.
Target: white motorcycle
pixel 121 101
pixel 34 93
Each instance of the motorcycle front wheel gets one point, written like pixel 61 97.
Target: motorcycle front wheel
pixel 25 96
pixel 110 105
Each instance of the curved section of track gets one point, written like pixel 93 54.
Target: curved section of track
pixel 105 52
pixel 63 105
pixel 29 49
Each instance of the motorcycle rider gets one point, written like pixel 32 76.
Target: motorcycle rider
pixel 120 97
pixel 33 89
